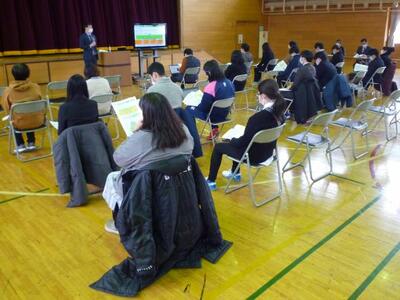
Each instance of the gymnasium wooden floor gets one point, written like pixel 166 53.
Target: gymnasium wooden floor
pixel 335 239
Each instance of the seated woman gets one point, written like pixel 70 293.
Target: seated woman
pixel 237 67
pixel 160 135
pixel 293 64
pixel 97 85
pixel 337 57
pixel 218 88
pixel 266 57
pixel 288 57
pixel 271 116
pixel 78 109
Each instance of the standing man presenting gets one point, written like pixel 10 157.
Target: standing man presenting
pixel 87 42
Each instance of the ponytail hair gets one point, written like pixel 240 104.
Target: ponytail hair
pixel 270 88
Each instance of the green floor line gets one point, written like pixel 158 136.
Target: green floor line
pixel 300 259
pixel 18 197
pixel 375 273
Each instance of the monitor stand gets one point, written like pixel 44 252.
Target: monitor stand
pixel 144 56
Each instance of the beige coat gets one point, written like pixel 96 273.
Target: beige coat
pixel 23 91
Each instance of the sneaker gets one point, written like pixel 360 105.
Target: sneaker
pixel 110 227
pixel 20 149
pixel 212 185
pixel 228 175
pixel 31 146
pixel 213 134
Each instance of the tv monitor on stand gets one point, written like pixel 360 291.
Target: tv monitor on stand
pixel 148 38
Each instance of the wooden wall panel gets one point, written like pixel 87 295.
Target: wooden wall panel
pixel 310 28
pixel 38 72
pixel 210 25
pixel 63 70
pixel 3 79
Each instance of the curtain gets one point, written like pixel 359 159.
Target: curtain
pixel 393 24
pixel 54 26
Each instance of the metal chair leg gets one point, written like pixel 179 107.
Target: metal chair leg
pixel 293 165
pixel 310 165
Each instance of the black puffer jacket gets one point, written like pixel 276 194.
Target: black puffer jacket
pixel 167 219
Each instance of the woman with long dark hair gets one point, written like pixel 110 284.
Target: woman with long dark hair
pixel 237 67
pixel 218 88
pixel 159 135
pixel 266 57
pixel 271 116
pixel 78 109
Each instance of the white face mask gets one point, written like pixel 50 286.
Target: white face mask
pixel 89 30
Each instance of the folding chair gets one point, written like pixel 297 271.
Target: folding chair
pixel 356 84
pixel 390 108
pixel 189 71
pixel 26 108
pixel 340 65
pixel 357 121
pixel 224 103
pixel 378 71
pixel 316 136
pixel 289 80
pixel 115 84
pixel 262 137
pixel 56 93
pixel 106 111
pixel 271 62
pixel 289 103
pixel 201 84
pixel 241 78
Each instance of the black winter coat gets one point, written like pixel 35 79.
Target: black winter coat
pixel 167 219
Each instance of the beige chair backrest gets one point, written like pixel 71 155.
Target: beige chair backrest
pixel 103 103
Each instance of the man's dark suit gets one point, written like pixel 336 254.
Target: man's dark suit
pixel 365 51
pixel 362 50
pixel 89 54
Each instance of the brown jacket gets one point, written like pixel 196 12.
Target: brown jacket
pixel 23 91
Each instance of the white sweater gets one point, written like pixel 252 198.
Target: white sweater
pixel 98 86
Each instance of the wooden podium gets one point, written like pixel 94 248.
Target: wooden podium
pixel 116 63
